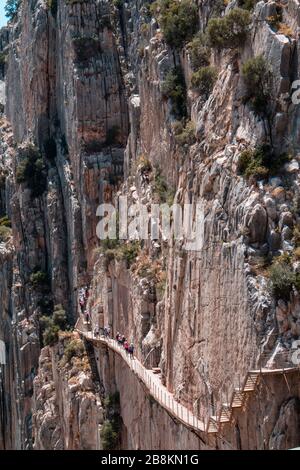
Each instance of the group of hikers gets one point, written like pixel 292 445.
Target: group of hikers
pixel 106 331
pixel 83 298
pixel 129 348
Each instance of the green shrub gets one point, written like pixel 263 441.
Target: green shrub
pixel 282 279
pixel 184 135
pixel 31 170
pixel 3 59
pixel 50 335
pixel 178 20
pixel 199 52
pixel 257 76
pixel 11 8
pixel 59 317
pixel 162 189
pixel 5 221
pixel 174 89
pixel 86 48
pixel 109 438
pixel 261 162
pixel 111 427
pixel 230 31
pixel 114 249
pixel 45 322
pixel 39 279
pixel 74 348
pixel 112 401
pixel 5 233
pixel 204 80
pixel 51 325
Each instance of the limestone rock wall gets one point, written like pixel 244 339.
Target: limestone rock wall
pixel 67 409
pixel 88 78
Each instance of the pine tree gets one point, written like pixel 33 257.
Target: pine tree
pixel 11 8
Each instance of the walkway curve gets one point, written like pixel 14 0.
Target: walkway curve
pixel 167 400
pixel 152 382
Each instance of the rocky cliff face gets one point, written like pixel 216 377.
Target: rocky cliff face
pixel 86 86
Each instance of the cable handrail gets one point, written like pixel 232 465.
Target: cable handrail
pixel 155 387
pixel 166 399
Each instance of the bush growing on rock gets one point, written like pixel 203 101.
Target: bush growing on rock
pixel 199 52
pixel 31 170
pixel 59 317
pixel 184 134
pixel 51 325
pixel 261 162
pixel 178 20
pixel 39 279
pixel 114 249
pixel 282 278
pixel 86 48
pixel 11 8
pixel 5 229
pixel 50 335
pixel 111 427
pixel 109 437
pixel 161 188
pixel 230 31
pixel 257 76
pixel 203 80
pixel 5 221
pixel 174 88
pixel 5 233
pixel 74 348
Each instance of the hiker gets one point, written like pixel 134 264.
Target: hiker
pixel 126 346
pixel 118 337
pixel 106 331
pixel 123 339
pixel 131 349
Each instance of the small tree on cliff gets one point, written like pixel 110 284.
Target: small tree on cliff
pixel 11 8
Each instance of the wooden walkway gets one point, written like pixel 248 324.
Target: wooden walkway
pixel 151 381
pixel 166 399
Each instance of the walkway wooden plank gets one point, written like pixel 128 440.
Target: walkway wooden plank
pixel 160 393
pixel 152 381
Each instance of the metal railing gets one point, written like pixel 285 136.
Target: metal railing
pixel 167 400
pixel 151 381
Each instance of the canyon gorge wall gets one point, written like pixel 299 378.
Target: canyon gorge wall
pixel 86 98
